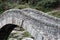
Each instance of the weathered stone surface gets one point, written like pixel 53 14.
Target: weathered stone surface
pixel 41 26
pixel 27 39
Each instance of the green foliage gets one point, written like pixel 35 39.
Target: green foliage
pixel 26 34
pixel 44 2
pixel 48 3
pixel 43 9
pixel 43 5
pixel 3 7
pixel 21 29
pixel 22 6
pixel 56 14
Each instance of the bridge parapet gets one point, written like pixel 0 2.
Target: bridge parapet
pixel 40 25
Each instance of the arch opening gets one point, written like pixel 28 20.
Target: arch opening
pixel 19 33
pixel 6 30
pixel 12 31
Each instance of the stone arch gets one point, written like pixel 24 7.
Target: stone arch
pixel 37 23
pixel 12 16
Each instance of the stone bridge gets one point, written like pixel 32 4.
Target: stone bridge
pixel 41 25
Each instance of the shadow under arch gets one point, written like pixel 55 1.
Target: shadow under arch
pixel 6 30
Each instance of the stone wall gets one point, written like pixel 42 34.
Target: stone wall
pixel 41 25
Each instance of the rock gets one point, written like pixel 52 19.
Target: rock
pixel 12 39
pixel 27 39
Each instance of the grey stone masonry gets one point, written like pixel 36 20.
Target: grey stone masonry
pixel 41 25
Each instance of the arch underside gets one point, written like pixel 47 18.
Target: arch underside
pixel 6 30
pixel 40 25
